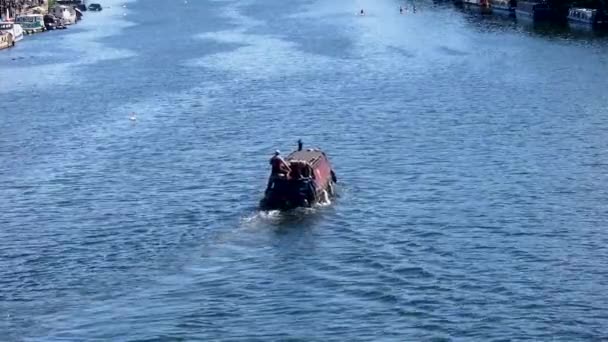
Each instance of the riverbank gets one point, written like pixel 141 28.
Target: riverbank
pixel 40 61
pixel 26 17
pixel 588 15
pixel 11 9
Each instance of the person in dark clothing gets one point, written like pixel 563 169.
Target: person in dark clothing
pixel 279 165
pixel 300 145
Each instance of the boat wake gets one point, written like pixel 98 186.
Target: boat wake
pixel 277 219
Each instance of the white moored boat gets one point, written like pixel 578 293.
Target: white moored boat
pixel 65 13
pixel 586 16
pixel 15 30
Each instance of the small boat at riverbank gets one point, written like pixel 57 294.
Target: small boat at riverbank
pixel 535 11
pixel 310 180
pixel 481 5
pixel 53 23
pixel 506 7
pixel 586 17
pixel 31 23
pixel 65 13
pixel 95 7
pixel 15 30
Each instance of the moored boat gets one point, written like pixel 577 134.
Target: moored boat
pixel 31 23
pixel 65 13
pixel 503 6
pixel 591 18
pixel 80 4
pixel 15 30
pixel 95 7
pixel 536 11
pixel 308 179
pixel 53 23
pixel 481 5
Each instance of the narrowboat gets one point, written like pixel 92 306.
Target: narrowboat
pixel 6 41
pixel 586 17
pixel 503 6
pixel 95 7
pixel 31 23
pixel 15 30
pixel 308 180
pixel 536 11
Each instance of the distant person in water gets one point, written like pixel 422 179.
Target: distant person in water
pixel 361 13
pixel 400 10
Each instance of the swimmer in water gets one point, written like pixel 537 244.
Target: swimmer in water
pixel 361 13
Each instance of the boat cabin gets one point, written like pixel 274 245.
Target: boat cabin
pixel 537 11
pixel 503 5
pixel 585 16
pixel 66 13
pixel 31 22
pixel 15 30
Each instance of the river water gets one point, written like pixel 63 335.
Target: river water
pixel 471 153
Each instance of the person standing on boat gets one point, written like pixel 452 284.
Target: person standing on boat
pixel 300 144
pixel 279 165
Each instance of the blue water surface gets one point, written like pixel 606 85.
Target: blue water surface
pixel 471 153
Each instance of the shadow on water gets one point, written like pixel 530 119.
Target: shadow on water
pixel 560 31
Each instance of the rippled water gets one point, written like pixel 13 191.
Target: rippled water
pixel 471 152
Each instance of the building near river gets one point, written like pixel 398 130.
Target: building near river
pixel 9 9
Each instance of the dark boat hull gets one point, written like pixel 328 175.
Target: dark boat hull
pixel 298 199
pixel 535 11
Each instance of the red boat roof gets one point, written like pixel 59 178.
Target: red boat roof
pixel 311 156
